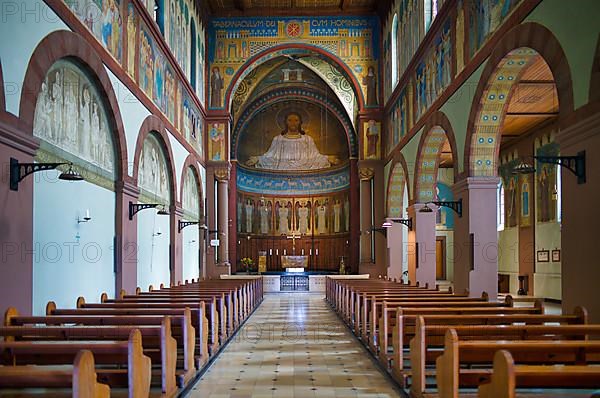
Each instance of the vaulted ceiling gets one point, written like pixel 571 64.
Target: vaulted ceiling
pixel 295 7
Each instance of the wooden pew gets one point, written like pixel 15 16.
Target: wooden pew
pixel 459 353
pixel 507 377
pixel 159 345
pixel 424 347
pixel 136 376
pixel 81 378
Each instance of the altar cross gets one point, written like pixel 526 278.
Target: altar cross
pixel 293 237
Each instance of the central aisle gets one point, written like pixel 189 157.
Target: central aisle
pixel 294 346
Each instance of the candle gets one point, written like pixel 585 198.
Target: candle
pixel 87 214
pixel 158 231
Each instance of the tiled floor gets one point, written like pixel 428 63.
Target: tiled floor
pixel 294 346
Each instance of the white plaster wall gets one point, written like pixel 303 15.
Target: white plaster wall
pixel 508 255
pixel 153 251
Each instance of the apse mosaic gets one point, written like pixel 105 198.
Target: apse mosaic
pixel 275 216
pixel 70 116
pixel 191 197
pixel 484 19
pixel 293 135
pixel 234 40
pixel 153 175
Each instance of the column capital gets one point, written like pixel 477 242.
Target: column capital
pixel 365 173
pixel 221 171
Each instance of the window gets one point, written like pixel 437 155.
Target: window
pixel 431 8
pixel 159 15
pixel 394 45
pixel 193 55
pixel 500 207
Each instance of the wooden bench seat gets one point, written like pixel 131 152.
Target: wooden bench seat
pixel 450 374
pixel 81 377
pixel 507 377
pixel 129 367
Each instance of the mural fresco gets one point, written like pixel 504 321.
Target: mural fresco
pixel 484 19
pixel 191 124
pixel 103 18
pixel 132 32
pixel 216 142
pixel 511 193
pixel 233 40
pixel 546 184
pixel 191 197
pixel 301 216
pixel 293 135
pixel 435 71
pixel 401 118
pixel 153 175
pixel 156 77
pixel 71 116
pixel 372 139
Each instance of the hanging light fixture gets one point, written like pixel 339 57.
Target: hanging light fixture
pixel 18 171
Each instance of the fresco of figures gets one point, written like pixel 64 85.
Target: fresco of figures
pixel 200 51
pixel 400 117
pixel 512 201
pixel 485 16
pixel 274 216
pixel 70 115
pixel 192 124
pixel 435 71
pixel 103 18
pixel 191 197
pixel 156 78
pixel 153 175
pixel 132 30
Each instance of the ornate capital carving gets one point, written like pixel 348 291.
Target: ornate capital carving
pixel 365 173
pixel 222 173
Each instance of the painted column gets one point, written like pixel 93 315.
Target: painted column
pixel 222 177
pixel 176 252
pixel 233 216
pixel 366 221
pixel 421 246
pixel 476 237
pixel 355 226
pixel 126 237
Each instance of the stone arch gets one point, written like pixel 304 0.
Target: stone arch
pixel 437 130
pixel 507 60
pixel 595 78
pixel 192 162
pixel 397 180
pixel 256 60
pixel 63 44
pixel 152 124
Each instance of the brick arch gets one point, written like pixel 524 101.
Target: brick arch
pixel 192 161
pixel 256 60
pixel 595 78
pixel 397 180
pixel 510 56
pixel 438 130
pixel 153 124
pixel 64 44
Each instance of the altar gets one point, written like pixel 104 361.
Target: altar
pixel 294 261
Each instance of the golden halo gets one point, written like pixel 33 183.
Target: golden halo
pixel 282 114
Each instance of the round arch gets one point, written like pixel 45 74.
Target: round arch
pixel 153 124
pixel 192 162
pixel 507 60
pixel 437 130
pixel 397 181
pixel 594 94
pixel 63 44
pixel 300 94
pixel 2 100
pixel 284 49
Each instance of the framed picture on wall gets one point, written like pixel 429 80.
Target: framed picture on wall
pixel 543 256
pixel 555 255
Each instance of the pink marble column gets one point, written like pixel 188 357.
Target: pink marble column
pixel 476 237
pixel 126 232
pixel 176 255
pixel 421 246
pixel 222 176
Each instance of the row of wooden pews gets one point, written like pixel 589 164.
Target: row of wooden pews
pixel 148 344
pixel 437 343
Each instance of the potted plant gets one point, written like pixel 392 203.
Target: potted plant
pixel 247 262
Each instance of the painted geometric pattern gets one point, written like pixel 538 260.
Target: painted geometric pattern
pixel 427 166
pixel 293 184
pixel 486 138
pixel 395 192
pixel 285 94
